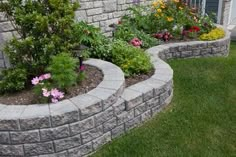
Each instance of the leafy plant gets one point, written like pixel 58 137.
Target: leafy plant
pixel 13 79
pixel 132 60
pixel 63 71
pixel 45 28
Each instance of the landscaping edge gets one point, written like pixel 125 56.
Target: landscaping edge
pixel 80 125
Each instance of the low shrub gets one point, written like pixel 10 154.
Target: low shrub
pixel 63 70
pixel 130 59
pixel 13 80
pixel 214 34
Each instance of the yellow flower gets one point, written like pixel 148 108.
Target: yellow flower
pixel 181 8
pixel 155 4
pixel 169 19
pixel 163 6
pixel 159 10
pixel 176 1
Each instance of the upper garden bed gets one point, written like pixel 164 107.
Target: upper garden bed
pixel 47 60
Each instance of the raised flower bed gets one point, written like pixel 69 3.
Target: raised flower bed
pixel 80 125
pixel 46 55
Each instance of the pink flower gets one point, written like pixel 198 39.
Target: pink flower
pixel 44 76
pixel 136 42
pixel 35 81
pixel 47 76
pixel 46 93
pixel 57 94
pixel 54 100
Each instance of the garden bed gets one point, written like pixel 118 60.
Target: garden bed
pixel 26 97
pixel 102 114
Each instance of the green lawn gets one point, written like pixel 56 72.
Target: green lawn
pixel 200 121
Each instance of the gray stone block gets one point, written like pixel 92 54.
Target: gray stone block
pixel 81 151
pixel 104 116
pixel 63 112
pixel 108 96
pixel 148 91
pixel 38 149
pixel 67 143
pixel 125 116
pixel 101 140
pixel 119 106
pixel 118 131
pixel 132 98
pixel 88 105
pixel 11 150
pixel 109 125
pixel 146 115
pixel 61 154
pixel 153 102
pixel 158 85
pixel 54 133
pixel 92 134
pixel 4 138
pixel 82 126
pixel 35 117
pixel 9 117
pixel 132 123
pixel 140 109
pixel 110 6
pixel 25 137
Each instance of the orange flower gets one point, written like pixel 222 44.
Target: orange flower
pixel 176 1
pixel 169 19
pixel 159 10
pixel 163 6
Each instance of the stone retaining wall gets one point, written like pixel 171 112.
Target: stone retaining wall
pixel 79 126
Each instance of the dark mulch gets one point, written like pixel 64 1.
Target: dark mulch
pixel 138 78
pixel 93 77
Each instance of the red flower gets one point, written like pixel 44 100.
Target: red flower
pixel 119 22
pixel 194 29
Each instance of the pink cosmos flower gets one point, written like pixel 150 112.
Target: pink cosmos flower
pixel 35 81
pixel 46 93
pixel 57 94
pixel 54 100
pixel 44 76
pixel 47 76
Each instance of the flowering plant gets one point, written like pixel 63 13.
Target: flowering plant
pixel 136 42
pixel 45 90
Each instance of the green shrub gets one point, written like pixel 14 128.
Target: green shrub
pixel 13 80
pixel 127 32
pixel 63 71
pixel 130 59
pixel 45 28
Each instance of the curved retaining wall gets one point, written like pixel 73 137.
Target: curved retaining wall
pixel 78 126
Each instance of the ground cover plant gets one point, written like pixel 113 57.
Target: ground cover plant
pixel 200 121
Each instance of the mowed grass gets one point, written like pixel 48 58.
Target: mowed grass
pixel 199 122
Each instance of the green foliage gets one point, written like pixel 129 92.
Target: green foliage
pixel 63 70
pixel 13 80
pixel 206 23
pixel 125 31
pixel 45 28
pixel 130 59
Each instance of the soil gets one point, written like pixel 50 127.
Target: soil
pixel 93 77
pixel 138 78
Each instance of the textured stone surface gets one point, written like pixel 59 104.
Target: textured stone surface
pixel 132 98
pixel 67 143
pixel 38 149
pixel 92 134
pixel 82 150
pixel 101 140
pixel 63 112
pixel 11 150
pixel 25 137
pixel 82 126
pixel 54 133
pixel 4 138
